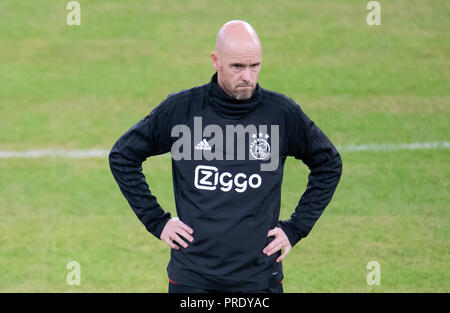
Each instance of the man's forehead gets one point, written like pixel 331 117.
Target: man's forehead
pixel 245 58
pixel 241 48
pixel 243 54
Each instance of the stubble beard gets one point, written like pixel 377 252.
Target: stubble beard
pixel 235 92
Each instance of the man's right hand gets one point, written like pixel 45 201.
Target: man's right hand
pixel 173 229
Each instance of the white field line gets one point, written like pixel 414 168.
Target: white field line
pixel 103 153
pixel 55 153
pixel 395 146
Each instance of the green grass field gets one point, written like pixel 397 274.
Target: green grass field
pixel 81 87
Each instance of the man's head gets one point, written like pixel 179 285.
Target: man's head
pixel 237 59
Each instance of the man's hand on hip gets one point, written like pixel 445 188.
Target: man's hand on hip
pixel 173 229
pixel 281 242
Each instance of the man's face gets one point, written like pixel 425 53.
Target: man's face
pixel 238 71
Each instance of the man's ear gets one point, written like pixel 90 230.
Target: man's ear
pixel 215 61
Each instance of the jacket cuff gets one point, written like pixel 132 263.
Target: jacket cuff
pixel 157 229
pixel 290 230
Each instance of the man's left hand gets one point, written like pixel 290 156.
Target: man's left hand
pixel 281 242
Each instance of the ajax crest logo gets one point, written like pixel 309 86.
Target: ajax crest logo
pixel 259 147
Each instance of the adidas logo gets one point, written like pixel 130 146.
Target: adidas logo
pixel 203 145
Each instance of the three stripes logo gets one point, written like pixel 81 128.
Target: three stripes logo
pixel 203 145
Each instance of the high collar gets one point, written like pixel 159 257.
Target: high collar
pixel 230 107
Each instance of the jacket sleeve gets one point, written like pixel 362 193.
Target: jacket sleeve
pixel 308 143
pixel 150 136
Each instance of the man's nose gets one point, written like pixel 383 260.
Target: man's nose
pixel 245 75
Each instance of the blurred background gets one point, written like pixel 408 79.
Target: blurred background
pixel 81 87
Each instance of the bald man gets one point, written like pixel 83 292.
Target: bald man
pixel 229 140
pixel 237 48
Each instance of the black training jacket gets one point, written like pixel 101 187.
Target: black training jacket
pixel 221 190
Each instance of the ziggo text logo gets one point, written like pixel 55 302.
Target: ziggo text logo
pixel 209 178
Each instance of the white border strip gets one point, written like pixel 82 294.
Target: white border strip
pixel 103 153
